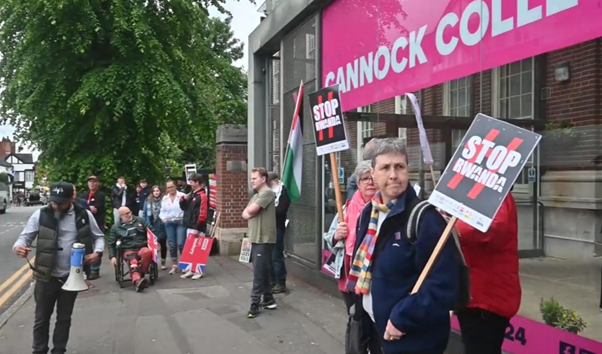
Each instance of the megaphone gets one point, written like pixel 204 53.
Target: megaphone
pixel 76 281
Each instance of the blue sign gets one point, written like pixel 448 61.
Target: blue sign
pixel 341 175
pixel 532 174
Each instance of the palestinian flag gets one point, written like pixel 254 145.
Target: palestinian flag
pixel 293 163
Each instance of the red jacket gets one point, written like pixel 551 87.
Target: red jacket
pixel 493 261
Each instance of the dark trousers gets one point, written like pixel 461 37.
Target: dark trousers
pixel 278 275
pixel 47 295
pixel 163 244
pixel 482 331
pixel 261 256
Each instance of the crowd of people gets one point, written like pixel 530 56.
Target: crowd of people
pixel 377 263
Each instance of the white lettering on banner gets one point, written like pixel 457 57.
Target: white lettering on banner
pixel 498 25
pixel 499 159
pixel 451 19
pixel 555 6
pixel 399 66
pixel 480 9
pixel 525 15
pixel 386 55
pixel 407 52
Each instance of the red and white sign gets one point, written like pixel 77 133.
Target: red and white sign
pixel 213 191
pixel 195 253
pixel 152 243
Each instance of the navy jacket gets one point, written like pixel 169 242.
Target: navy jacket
pixel 424 316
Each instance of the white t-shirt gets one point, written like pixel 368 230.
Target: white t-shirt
pixel 171 209
pixel 367 299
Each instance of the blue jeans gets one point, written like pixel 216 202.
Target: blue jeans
pixel 176 237
pixel 278 274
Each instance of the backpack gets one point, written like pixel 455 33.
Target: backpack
pixel 418 208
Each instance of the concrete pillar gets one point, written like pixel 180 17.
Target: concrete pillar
pixel 232 182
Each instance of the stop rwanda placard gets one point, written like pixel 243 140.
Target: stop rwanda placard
pixel 329 127
pixel 483 169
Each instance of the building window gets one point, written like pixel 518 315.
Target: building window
pixel 364 130
pixel 457 102
pixel 514 85
pixel 402 107
pixel 275 80
pixel 29 176
pixel 459 97
pixel 20 176
pixel 515 99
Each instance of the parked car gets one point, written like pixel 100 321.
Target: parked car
pixel 35 198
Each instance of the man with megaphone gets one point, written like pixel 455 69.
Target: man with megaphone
pixel 58 227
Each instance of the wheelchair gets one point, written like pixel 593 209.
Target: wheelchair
pixel 122 270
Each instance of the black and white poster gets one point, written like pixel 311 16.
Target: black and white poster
pixel 483 169
pixel 329 127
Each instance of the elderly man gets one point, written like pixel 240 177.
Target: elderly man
pixel 131 231
pixel 57 227
pixel 386 266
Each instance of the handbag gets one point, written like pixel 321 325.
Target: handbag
pixel 354 341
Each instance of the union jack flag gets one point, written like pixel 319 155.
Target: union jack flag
pixel 195 253
pixel 152 242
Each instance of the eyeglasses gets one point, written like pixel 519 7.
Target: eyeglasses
pixel 368 180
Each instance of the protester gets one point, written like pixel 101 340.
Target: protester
pixel 367 154
pixel 131 231
pixel 134 205
pixel 172 215
pixel 386 267
pixel 261 215
pixel 57 227
pixel 95 199
pixel 144 193
pixel 119 197
pixel 79 201
pixel 342 235
pixel 492 258
pixel 195 205
pixel 282 203
pixel 151 214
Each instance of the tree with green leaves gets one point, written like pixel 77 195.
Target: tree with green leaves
pixel 118 87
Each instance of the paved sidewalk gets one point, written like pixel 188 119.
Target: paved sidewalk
pixel 179 316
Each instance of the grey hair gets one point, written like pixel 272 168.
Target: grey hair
pixel 390 145
pixel 361 168
pixel 370 149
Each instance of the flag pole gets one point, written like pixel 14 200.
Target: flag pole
pixel 295 98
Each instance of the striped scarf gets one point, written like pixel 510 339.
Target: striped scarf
pixel 360 276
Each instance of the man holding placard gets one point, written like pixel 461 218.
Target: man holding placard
pixel 386 265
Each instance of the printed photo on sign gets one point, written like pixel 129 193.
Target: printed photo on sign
pixel 245 251
pixel 328 123
pixel 483 169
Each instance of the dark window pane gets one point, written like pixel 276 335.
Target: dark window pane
pixel 515 68
pixel 515 107
pixel 527 83
pixel 526 105
pixel 515 85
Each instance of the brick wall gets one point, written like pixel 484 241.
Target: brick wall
pixel 576 101
pixel 232 185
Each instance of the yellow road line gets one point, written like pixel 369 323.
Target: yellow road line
pixel 14 277
pixel 15 288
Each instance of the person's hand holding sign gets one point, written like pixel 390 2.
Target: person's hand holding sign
pixel 392 333
pixel 341 232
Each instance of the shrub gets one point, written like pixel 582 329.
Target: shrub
pixel 556 315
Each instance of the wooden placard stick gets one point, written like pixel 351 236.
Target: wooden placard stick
pixel 438 248
pixel 337 187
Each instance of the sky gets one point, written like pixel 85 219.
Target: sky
pixel 245 19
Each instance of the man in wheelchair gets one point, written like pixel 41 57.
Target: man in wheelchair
pixel 131 231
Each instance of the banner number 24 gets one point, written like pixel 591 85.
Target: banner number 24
pixel 520 335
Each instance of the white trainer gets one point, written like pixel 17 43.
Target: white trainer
pixel 197 276
pixel 187 275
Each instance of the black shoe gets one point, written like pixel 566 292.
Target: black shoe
pixel 279 289
pixel 93 276
pixel 269 304
pixel 253 311
pixel 141 284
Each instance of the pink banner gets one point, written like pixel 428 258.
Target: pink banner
pixel 378 49
pixel 525 336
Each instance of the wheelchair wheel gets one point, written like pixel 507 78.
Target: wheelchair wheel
pixel 120 270
pixel 151 273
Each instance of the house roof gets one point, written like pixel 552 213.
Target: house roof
pixel 5 164
pixel 25 158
